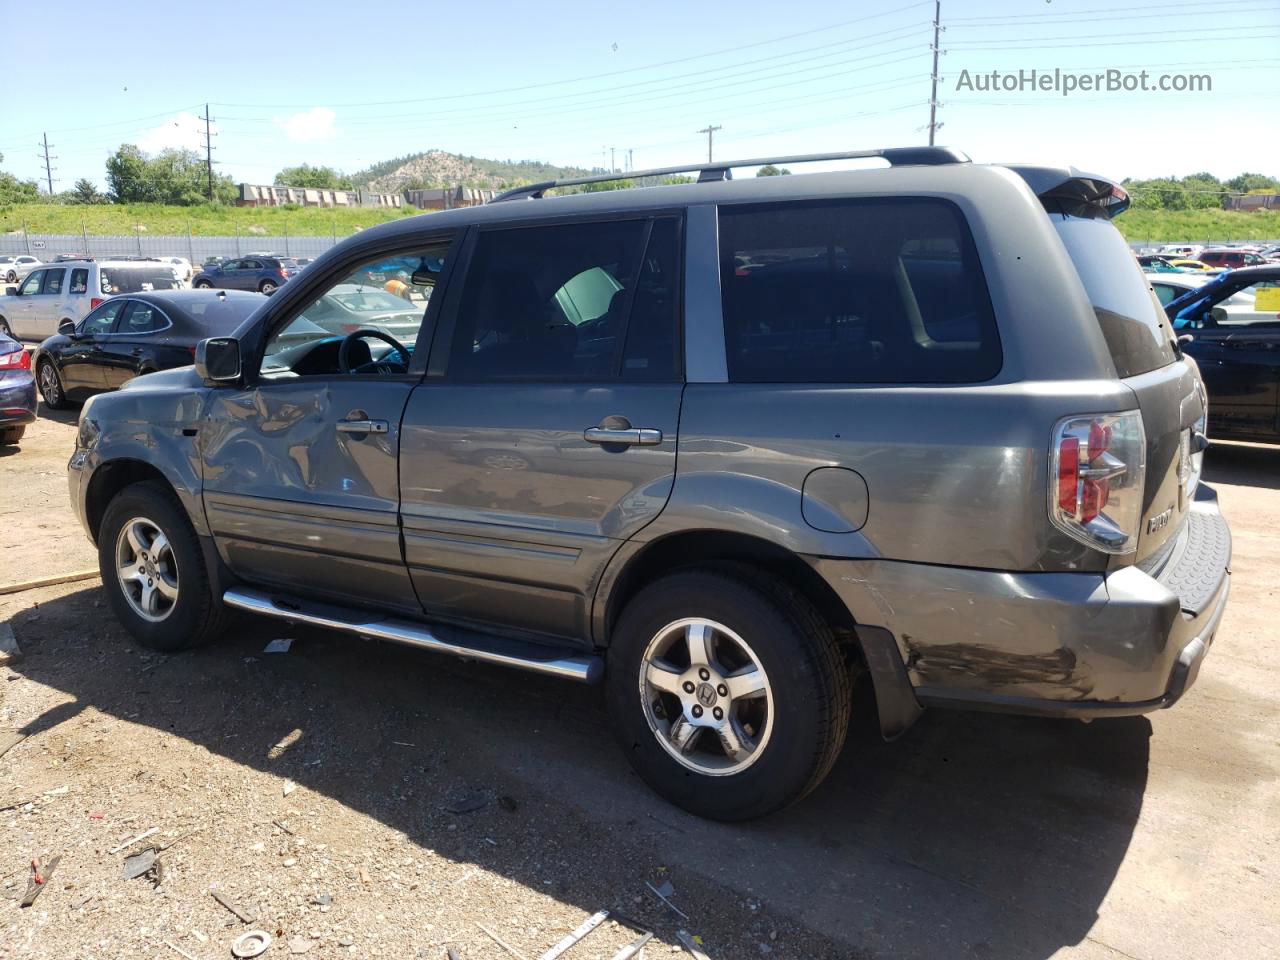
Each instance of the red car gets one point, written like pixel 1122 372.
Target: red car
pixel 1232 259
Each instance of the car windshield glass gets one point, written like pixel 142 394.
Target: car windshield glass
pixel 1136 329
pixel 137 279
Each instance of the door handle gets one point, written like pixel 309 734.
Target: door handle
pixel 632 436
pixel 362 426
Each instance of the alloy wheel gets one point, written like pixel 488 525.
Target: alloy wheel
pixel 706 697
pixel 147 569
pixel 50 387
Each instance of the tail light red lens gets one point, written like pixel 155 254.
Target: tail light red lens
pixel 96 302
pixel 282 272
pixel 18 360
pixel 1097 473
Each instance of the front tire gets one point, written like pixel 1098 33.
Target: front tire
pixel 267 287
pixel 729 693
pixel 11 435
pixel 55 398
pixel 154 571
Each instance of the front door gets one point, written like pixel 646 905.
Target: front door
pixel 301 486
pixel 545 433
pixel 80 358
pixel 25 319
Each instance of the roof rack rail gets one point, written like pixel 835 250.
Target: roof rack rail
pixel 720 170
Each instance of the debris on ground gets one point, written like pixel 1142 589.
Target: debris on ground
pixel 10 652
pixel 281 645
pixel 174 946
pixel 10 739
pixel 632 949
pixel 288 788
pixel 41 873
pixel 140 863
pixel 252 943
pixel 692 944
pixel 132 840
pixel 500 942
pixel 245 916
pixel 664 893
pixel 508 804
pixel 467 803
pixel 300 945
pixel 579 933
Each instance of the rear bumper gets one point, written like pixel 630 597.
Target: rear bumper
pixel 1050 644
pixel 17 399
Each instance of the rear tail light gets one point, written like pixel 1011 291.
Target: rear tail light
pixel 282 272
pixel 18 360
pixel 96 302
pixel 1097 470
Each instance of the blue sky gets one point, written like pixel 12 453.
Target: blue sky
pixel 344 85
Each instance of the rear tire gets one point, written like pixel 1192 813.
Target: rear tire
pixel 267 287
pixel 4 328
pixel 11 435
pixel 203 285
pixel 772 706
pixel 166 601
pixel 55 398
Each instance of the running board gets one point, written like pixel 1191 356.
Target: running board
pixel 466 644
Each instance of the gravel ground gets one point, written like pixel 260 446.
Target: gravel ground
pixel 365 800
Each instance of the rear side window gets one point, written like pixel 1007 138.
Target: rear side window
pixel 142 318
pixel 1135 328
pixel 53 281
pixel 79 281
pixel 136 279
pixel 854 291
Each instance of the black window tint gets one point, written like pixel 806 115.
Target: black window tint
pixel 653 330
pixel 854 291
pixel 103 319
pixel 79 281
pixel 547 302
pixel 53 281
pixel 1135 328
pixel 141 318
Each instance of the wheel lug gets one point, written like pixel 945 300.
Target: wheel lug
pixel 704 673
pixel 688 686
pixel 722 690
pixel 150 582
pixel 718 713
pixel 697 711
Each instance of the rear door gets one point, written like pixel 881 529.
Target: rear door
pixel 123 353
pixel 545 433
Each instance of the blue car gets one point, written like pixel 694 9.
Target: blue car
pixel 264 274
pixel 17 390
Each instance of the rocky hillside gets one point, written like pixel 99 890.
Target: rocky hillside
pixel 436 168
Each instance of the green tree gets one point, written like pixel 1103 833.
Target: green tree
pixel 1251 182
pixel 321 178
pixel 85 191
pixel 607 185
pixel 769 170
pixel 172 177
pixel 13 190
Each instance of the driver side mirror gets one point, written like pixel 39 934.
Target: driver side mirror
pixel 10 291
pixel 218 359
pixel 67 328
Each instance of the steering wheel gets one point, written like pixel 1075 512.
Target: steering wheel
pixel 380 366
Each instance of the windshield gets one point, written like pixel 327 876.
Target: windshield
pixel 1136 329
pixel 137 279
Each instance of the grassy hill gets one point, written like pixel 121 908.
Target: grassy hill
pixel 436 168
pixel 1139 226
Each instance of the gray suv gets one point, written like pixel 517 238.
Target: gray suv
pixel 722 445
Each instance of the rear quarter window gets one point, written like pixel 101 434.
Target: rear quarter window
pixel 854 291
pixel 1136 330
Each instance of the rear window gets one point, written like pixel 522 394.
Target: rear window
pixel 217 317
pixel 854 291
pixel 1135 328
pixel 137 279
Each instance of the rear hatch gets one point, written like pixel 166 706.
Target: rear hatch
pixel 1165 385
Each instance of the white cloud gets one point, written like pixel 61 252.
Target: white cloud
pixel 182 132
pixel 309 125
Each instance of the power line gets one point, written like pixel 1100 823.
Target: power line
pixel 1213 8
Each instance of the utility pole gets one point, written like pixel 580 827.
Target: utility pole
pixel 613 163
pixel 208 151
pixel 631 162
pixel 48 170
pixel 933 79
pixel 709 130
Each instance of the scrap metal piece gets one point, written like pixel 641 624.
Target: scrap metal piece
pixel 500 942
pixel 691 945
pixel 41 872
pixel 251 943
pixel 142 862
pixel 584 928
pixel 245 917
pixel 663 897
pixel 174 946
pixel 632 949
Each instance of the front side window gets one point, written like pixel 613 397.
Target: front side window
pixel 103 319
pixel 31 285
pixel 379 305
pixel 577 302
pixel 854 291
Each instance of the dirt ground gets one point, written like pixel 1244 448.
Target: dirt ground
pixel 365 800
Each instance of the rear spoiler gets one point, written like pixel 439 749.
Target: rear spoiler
pixel 1073 192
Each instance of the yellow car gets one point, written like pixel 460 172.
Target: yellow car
pixel 1190 265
